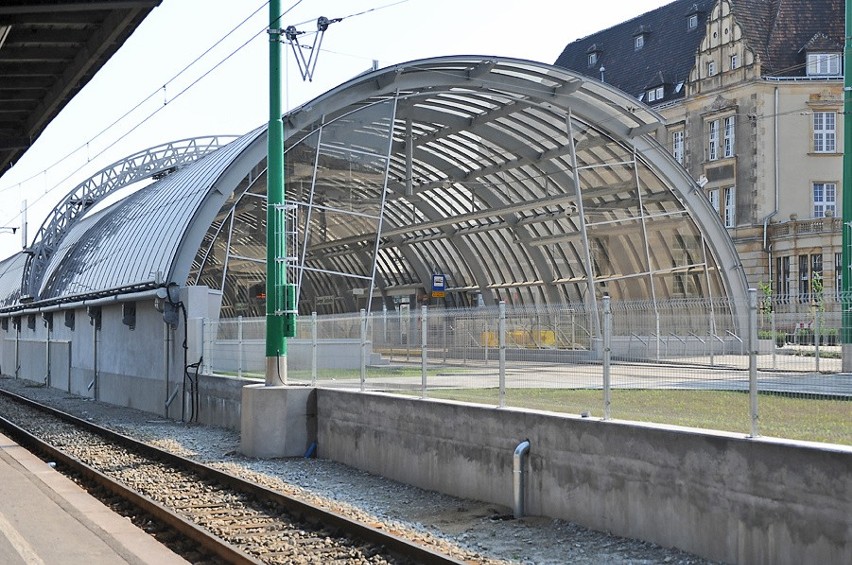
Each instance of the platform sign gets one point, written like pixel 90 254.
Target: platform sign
pixel 439 286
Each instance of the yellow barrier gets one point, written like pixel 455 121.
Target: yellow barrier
pixel 521 338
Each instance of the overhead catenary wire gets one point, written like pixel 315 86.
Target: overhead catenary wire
pixel 153 113
pixel 143 101
pixel 176 76
pixel 166 101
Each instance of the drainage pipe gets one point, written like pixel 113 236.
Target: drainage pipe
pixel 166 363
pixel 518 476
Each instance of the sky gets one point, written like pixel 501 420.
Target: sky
pixel 187 72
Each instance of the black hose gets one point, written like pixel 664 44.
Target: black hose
pixel 187 377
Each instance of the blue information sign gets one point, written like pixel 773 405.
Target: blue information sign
pixel 439 286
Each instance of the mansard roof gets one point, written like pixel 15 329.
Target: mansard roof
pixel 778 29
pixel 669 51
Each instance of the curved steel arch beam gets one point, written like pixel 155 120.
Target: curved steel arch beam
pixel 149 163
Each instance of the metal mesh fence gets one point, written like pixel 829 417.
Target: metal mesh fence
pixel 698 363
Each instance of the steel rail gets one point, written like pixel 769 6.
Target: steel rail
pixel 296 508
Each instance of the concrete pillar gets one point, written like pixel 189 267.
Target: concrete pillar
pixel 277 421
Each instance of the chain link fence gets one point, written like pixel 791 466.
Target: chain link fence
pixel 698 363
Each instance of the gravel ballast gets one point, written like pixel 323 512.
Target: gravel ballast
pixel 476 530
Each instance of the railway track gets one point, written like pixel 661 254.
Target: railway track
pixel 233 519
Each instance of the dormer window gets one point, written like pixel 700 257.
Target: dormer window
pixel 655 94
pixel 692 22
pixel 692 18
pixel 639 37
pixel 823 64
pixel 593 55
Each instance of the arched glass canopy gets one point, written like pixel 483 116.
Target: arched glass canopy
pixel 517 181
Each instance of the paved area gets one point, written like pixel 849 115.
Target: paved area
pixel 46 518
pixel 729 372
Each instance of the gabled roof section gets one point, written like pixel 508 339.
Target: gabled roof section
pixel 49 50
pixel 777 30
pixel 658 79
pixel 668 52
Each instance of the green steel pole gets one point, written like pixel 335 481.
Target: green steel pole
pixel 276 343
pixel 846 287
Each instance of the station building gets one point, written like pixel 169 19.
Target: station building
pixel 752 94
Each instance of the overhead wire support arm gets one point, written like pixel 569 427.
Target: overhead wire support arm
pixel 307 64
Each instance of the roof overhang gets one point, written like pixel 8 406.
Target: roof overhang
pixel 49 50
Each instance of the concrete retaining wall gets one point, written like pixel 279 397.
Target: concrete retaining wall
pixel 721 496
pixel 220 401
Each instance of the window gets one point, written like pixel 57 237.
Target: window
pixel 735 63
pixel 810 269
pixel 825 64
pixel 824 132
pixel 782 279
pixel 730 126
pixel 652 95
pixel 660 92
pixel 711 68
pixel 713 138
pixel 713 196
pixel 804 279
pixel 593 59
pixel 825 198
pixel 638 42
pixel 730 208
pixel 677 145
pixel 692 21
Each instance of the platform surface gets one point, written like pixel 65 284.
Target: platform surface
pixel 45 518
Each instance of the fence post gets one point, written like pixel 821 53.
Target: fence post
pixel 752 360
pixel 446 346
pixel 607 353
pixel 363 361
pixel 573 331
pixel 384 325
pixel 424 331
pixel 501 331
pixel 774 337
pixel 817 336
pixel 486 331
pixel 239 346
pixel 313 349
pixel 407 334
